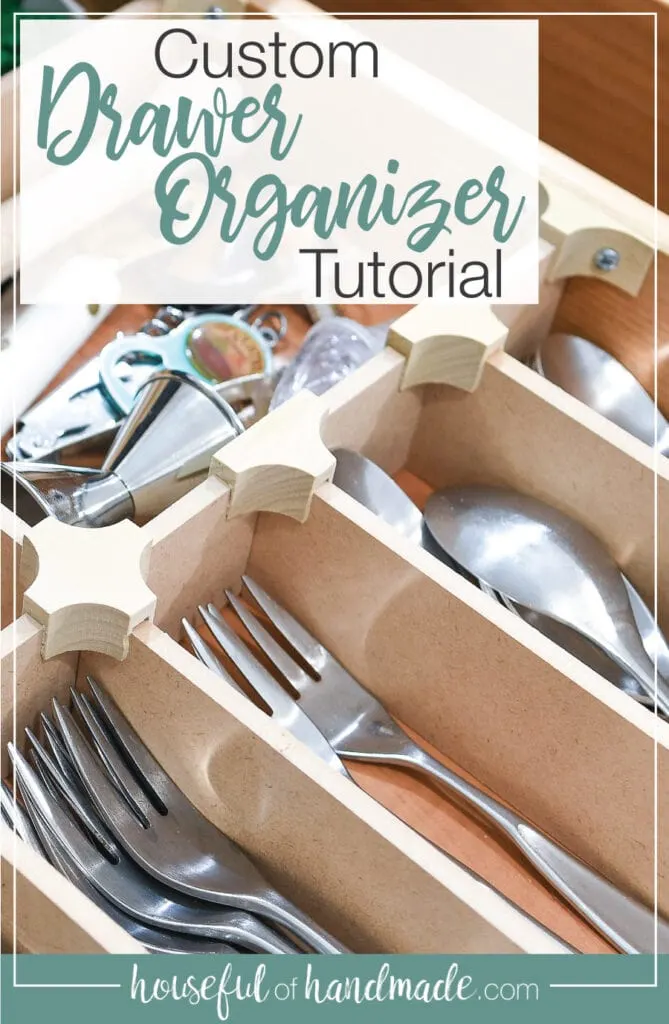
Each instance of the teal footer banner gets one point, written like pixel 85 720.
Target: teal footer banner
pixel 327 989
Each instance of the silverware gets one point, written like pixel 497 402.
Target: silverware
pixel 124 884
pixel 160 829
pixel 17 820
pixel 319 746
pixel 651 635
pixel 162 451
pixel 373 488
pixel 284 710
pixel 36 834
pixel 546 561
pixel 358 727
pixel 587 651
pixel 600 381
pixel 377 491
pixel 370 485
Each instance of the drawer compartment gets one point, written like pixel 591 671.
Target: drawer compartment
pixel 488 693
pixel 331 848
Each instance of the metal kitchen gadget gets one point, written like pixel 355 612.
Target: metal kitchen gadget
pixel 162 450
pixel 80 413
pixel 218 349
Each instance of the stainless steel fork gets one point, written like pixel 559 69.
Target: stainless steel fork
pixel 32 830
pixel 284 709
pixel 358 727
pixel 18 820
pixel 124 884
pixel 207 656
pixel 160 829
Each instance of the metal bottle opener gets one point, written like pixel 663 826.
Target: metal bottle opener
pixel 227 352
pixel 80 413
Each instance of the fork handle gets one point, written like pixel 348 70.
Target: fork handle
pixel 628 924
pixel 277 908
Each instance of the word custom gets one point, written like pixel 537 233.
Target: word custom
pixel 178 53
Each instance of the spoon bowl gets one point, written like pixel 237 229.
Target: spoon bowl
pixel 585 650
pixel 546 562
pixel 370 485
pixel 596 378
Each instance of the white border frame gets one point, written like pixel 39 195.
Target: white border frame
pixel 361 15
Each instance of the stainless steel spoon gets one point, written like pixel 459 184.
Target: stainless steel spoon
pixel 363 480
pixel 585 650
pixel 652 637
pixel 373 488
pixel 600 381
pixel 495 534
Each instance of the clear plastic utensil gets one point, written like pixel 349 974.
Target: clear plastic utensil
pixel 333 348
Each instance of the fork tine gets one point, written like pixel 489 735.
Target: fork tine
pixel 301 639
pixel 54 849
pixel 108 801
pixel 41 772
pixel 47 808
pixel 7 802
pixel 66 846
pixel 286 710
pixel 28 784
pixel 287 666
pixel 59 753
pixel 50 787
pixel 78 807
pixel 257 675
pixel 49 844
pixel 17 818
pixel 153 777
pixel 207 656
pixel 117 770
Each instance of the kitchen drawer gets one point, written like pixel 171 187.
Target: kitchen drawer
pixel 448 401
pixel 485 691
